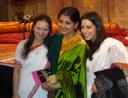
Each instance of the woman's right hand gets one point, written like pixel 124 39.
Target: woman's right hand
pixel 16 96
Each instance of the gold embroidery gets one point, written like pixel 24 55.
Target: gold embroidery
pixel 68 44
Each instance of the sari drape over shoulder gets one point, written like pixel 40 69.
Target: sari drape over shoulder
pixel 71 68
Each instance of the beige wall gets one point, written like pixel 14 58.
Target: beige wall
pixel 110 10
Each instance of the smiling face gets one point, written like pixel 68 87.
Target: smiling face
pixel 65 25
pixel 88 30
pixel 41 30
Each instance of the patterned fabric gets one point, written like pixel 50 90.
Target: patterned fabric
pixel 111 83
pixel 110 51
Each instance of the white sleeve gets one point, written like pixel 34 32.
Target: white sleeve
pixel 18 53
pixel 116 54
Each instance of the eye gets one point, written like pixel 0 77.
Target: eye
pixel 82 27
pixel 38 28
pixel 89 27
pixel 46 30
pixel 68 23
pixel 60 21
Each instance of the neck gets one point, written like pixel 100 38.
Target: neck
pixel 37 42
pixel 68 36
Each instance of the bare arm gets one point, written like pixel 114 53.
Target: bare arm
pixel 16 78
pixel 123 66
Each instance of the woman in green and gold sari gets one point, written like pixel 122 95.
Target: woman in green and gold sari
pixel 67 55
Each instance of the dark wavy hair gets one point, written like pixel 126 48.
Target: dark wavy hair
pixel 100 32
pixel 30 41
pixel 72 12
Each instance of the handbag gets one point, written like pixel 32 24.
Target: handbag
pixel 110 83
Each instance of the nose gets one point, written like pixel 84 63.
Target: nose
pixel 41 31
pixel 84 30
pixel 62 24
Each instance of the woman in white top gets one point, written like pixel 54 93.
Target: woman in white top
pixel 31 55
pixel 103 51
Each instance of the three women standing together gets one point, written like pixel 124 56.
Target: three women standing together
pixel 69 55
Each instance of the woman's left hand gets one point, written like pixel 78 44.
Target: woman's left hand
pixel 45 85
pixel 52 86
pixel 125 70
pixel 94 88
pixel 55 86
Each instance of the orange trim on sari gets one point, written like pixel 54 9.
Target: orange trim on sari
pixel 68 44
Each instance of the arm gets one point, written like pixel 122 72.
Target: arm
pixel 17 68
pixel 16 78
pixel 123 66
pixel 118 57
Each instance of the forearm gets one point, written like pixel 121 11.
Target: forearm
pixel 16 78
pixel 123 66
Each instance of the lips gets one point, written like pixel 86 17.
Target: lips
pixel 85 34
pixel 62 30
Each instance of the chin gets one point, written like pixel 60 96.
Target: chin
pixel 87 39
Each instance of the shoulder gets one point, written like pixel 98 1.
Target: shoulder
pixel 112 41
pixel 56 36
pixel 21 43
pixel 56 39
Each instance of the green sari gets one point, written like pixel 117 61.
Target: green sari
pixel 71 68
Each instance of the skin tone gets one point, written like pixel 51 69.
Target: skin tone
pixel 41 30
pixel 67 28
pixel 88 30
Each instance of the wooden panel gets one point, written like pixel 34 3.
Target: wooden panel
pixel 120 13
pixel 53 8
pixel 88 5
pixel 110 10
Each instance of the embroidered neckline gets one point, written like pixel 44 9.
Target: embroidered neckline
pixel 68 44
pixel 33 47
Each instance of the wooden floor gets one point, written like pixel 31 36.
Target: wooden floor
pixel 7 52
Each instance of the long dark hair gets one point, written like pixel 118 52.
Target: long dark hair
pixel 100 32
pixel 72 12
pixel 30 41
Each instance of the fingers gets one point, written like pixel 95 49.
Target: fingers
pixel 94 88
pixel 45 86
pixel 125 70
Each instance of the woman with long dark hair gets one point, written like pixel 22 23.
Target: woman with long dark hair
pixel 104 52
pixel 31 55
pixel 67 56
